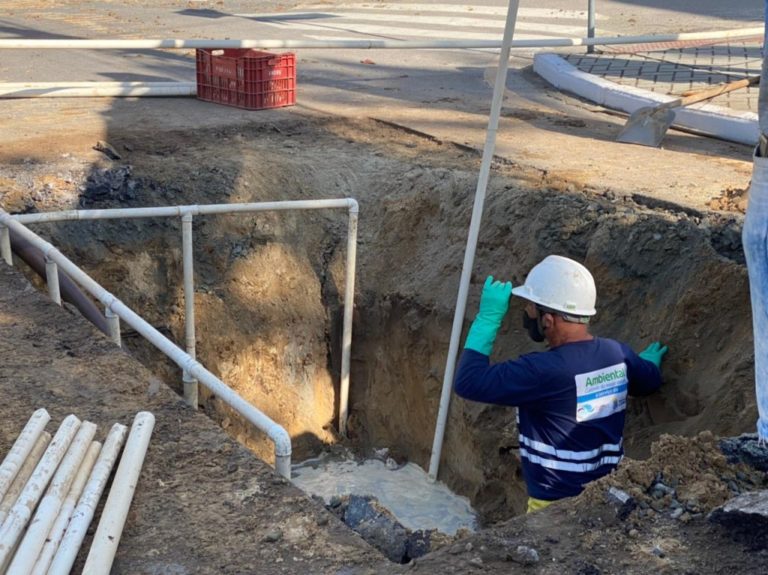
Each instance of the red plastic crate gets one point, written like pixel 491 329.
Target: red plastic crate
pixel 246 78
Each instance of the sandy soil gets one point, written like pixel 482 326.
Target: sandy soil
pixel 268 310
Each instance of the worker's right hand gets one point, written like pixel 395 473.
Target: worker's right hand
pixel 654 353
pixel 494 303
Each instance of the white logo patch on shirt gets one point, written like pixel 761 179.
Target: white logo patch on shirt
pixel 601 393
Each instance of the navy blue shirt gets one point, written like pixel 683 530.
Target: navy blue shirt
pixel 571 405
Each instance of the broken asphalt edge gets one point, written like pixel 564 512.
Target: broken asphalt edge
pixel 708 119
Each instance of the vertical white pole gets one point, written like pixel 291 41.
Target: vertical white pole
pixel 52 278
pixel 190 383
pixel 110 529
pixel 474 232
pixel 349 308
pixel 113 323
pixel 5 245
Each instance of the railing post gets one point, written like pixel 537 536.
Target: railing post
pixel 5 245
pixel 590 24
pixel 190 383
pixel 113 321
pixel 349 308
pixel 52 278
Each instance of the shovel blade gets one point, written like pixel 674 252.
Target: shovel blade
pixel 647 126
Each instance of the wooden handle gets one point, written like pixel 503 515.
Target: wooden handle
pixel 715 91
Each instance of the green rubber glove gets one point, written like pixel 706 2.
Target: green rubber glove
pixel 654 353
pixel 494 303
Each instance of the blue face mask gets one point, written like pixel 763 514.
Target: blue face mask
pixel 531 325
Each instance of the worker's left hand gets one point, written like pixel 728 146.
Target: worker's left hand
pixel 494 301
pixel 654 353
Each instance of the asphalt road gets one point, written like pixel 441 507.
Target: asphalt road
pixel 322 19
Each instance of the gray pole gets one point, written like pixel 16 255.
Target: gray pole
pixel 590 24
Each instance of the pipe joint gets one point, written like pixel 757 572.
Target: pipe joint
pixel 282 441
pixel 189 211
pixel 191 366
pixel 108 301
pixel 354 207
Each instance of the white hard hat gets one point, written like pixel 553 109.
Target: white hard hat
pixel 560 284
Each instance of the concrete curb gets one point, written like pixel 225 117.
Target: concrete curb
pixel 709 119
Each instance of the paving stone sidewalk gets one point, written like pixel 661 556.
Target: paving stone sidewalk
pixel 676 67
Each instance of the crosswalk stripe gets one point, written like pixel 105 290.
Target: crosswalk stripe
pixel 347 19
pixel 392 32
pixel 458 8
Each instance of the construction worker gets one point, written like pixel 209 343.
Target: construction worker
pixel 572 398
pixel 755 242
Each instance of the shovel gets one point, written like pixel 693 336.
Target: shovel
pixel 647 126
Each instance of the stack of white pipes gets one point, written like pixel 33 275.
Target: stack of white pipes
pixel 61 480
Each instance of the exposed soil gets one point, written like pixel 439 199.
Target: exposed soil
pixel 269 288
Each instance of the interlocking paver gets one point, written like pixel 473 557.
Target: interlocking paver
pixel 676 67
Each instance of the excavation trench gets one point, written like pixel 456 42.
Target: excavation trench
pixel 270 285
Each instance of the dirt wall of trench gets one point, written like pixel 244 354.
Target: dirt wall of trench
pixel 269 285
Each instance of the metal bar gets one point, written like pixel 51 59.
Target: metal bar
pixel 474 232
pixel 349 307
pixel 52 279
pixel 590 24
pixel 190 383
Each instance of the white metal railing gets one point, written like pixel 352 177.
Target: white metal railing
pixel 193 371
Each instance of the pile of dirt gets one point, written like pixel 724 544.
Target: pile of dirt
pixel 731 200
pixel 631 523
pixel 691 475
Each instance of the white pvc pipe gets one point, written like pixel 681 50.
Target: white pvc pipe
pixel 52 279
pixel 22 477
pixel 65 513
pixel 5 245
pixel 282 457
pixel 110 529
pixel 98 91
pixel 170 211
pixel 21 449
pixel 474 232
pixel 50 505
pixel 20 513
pixel 349 307
pixel 113 324
pixel 276 432
pixel 68 84
pixel 190 383
pixel 86 506
pixel 27 44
